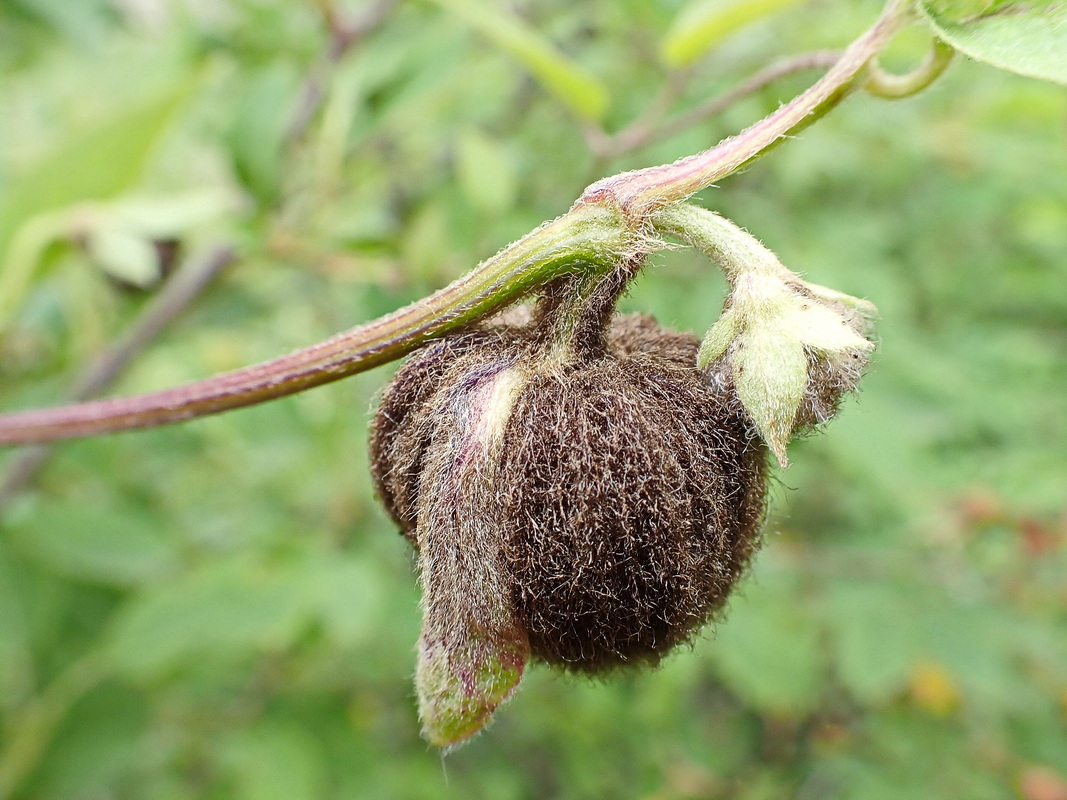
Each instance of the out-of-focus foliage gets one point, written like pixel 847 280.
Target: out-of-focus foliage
pixel 1029 38
pixel 220 610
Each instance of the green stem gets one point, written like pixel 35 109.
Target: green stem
pixel 646 130
pixel 736 252
pixel 591 234
pixel 608 225
pixel 35 726
pixel 640 192
pixel 893 87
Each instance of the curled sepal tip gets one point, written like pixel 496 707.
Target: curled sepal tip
pixel 461 682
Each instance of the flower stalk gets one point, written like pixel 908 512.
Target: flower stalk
pixel 609 223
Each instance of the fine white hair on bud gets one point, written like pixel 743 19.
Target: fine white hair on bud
pixel 590 513
pixel 585 489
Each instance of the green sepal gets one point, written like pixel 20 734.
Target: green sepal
pixel 719 337
pixel 770 372
pixel 462 680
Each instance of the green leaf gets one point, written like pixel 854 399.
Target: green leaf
pixel 165 216
pixel 126 256
pixel 1029 38
pixel 273 761
pixel 90 165
pixel 875 645
pixel 768 653
pixel 258 129
pixel 15 656
pixel 582 92
pixel 111 545
pixel 99 742
pixel 237 609
pixel 350 598
pixel 84 23
pixel 958 635
pixel 703 23
pixel 486 172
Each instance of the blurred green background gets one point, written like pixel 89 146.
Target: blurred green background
pixel 220 609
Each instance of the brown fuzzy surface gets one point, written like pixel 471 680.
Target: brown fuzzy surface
pixel 618 509
pixel 405 422
pixel 633 335
pixel 630 504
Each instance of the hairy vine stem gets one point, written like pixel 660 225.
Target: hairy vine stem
pixel 649 128
pixel 608 223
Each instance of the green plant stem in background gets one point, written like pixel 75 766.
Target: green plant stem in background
pixel 31 729
pixel 652 127
pixel 607 224
pixel 640 192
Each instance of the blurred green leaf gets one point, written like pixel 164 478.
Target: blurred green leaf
pixel 959 636
pixel 94 164
pixel 167 216
pixel 229 609
pixel 273 761
pixel 1029 38
pixel 769 653
pixel 125 256
pixel 257 130
pixel 15 656
pixel 582 92
pixel 99 741
pixel 84 22
pixel 114 545
pixel 703 23
pixel 428 236
pixel 486 172
pixel 350 596
pixel 875 647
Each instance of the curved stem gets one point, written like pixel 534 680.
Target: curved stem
pixel 604 146
pixel 737 253
pixel 589 234
pixel 647 129
pixel 638 193
pixel 893 87
pixel 175 296
pixel 607 225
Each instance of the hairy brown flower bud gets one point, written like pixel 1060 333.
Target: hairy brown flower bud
pixel 592 512
pixel 632 504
